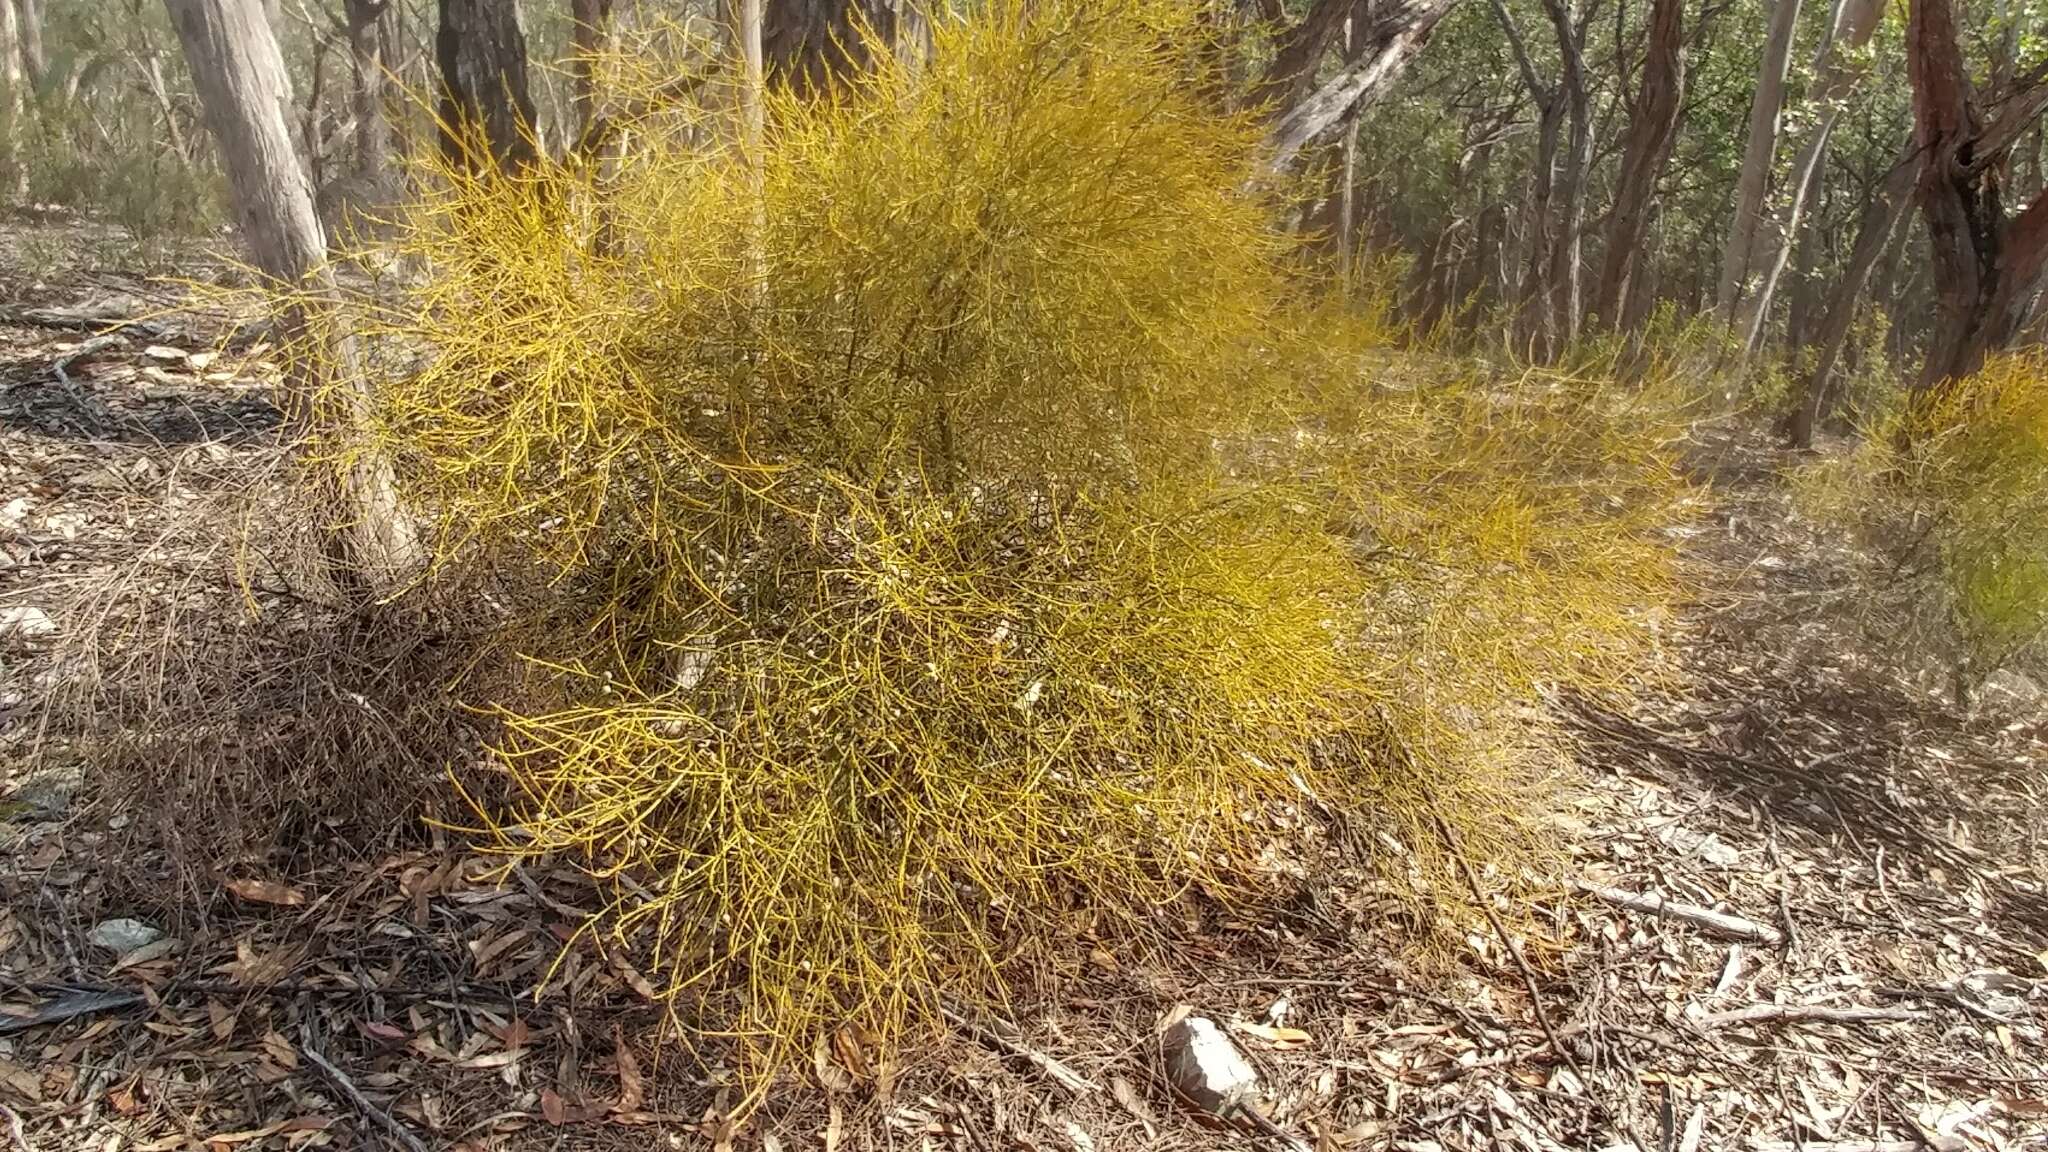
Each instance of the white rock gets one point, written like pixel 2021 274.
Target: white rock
pixel 24 620
pixel 123 935
pixel 1205 1067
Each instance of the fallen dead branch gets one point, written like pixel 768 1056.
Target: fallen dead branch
pixel 89 1002
pixel 370 1111
pixel 1507 942
pixel 1808 1013
pixel 1720 923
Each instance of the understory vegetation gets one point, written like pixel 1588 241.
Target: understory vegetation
pixel 966 518
pixel 908 503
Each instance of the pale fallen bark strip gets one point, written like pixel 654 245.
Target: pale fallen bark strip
pixel 1722 923
pixel 1808 1013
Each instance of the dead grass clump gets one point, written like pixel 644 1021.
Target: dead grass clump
pixel 231 710
pixel 926 519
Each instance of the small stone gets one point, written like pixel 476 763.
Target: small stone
pixel 123 935
pixel 1205 1068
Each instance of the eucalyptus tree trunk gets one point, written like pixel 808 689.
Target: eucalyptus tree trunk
pixel 807 44
pixel 1760 147
pixel 1987 266
pixel 1547 303
pixel 29 16
pixel 366 94
pixel 589 31
pixel 1396 32
pixel 1653 125
pixel 1886 210
pixel 13 101
pixel 485 100
pixel 240 78
pixel 1840 75
pixel 1564 278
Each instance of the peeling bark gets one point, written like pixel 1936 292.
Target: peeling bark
pixel 1385 47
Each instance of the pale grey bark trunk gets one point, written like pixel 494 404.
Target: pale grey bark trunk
pixel 913 35
pixel 1759 149
pixel 1840 76
pixel 13 102
pixel 29 15
pixel 239 75
pixel 1387 45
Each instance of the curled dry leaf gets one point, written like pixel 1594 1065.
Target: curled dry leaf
pixel 1278 1036
pixel 831 1077
pixel 267 892
pixel 632 1087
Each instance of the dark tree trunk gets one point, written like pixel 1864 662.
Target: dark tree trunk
pixel 1300 51
pixel 1881 218
pixel 1533 317
pixel 809 43
pixel 485 102
pixel 1987 269
pixel 589 25
pixel 1653 125
pixel 1800 300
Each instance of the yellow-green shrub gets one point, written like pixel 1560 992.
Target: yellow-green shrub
pixel 1950 490
pixel 952 518
pixel 1979 457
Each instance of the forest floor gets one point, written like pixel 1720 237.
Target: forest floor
pixel 1878 978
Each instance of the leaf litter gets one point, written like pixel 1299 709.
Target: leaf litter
pixel 411 992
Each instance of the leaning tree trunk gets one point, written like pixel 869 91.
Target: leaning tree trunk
pixel 1384 46
pixel 239 74
pixel 1738 260
pixel 485 102
pixel 1987 269
pixel 1881 218
pixel 1653 125
pixel 1840 74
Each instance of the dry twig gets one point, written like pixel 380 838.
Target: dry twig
pixel 1062 1075
pixel 347 1087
